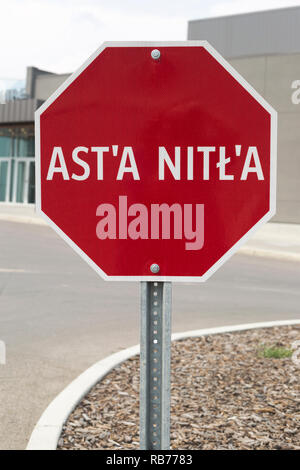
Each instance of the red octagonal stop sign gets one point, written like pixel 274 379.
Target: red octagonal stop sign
pixel 156 161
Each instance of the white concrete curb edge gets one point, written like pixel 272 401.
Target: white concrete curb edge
pixel 47 431
pixel 23 219
pixel 269 253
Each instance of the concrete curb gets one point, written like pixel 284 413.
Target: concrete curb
pixel 266 253
pixel 23 219
pixel 47 431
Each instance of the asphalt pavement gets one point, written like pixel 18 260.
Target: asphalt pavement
pixel 57 317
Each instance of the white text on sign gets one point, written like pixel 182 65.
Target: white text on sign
pixel 210 155
pixel 159 221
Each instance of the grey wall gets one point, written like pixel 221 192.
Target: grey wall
pixel 18 111
pixel 268 32
pixel 272 77
pixel 46 84
pixel 40 84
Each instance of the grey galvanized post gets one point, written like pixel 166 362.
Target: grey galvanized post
pixel 155 367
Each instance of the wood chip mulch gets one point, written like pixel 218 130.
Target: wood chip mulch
pixel 224 395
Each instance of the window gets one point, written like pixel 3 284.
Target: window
pixel 17 163
pixel 17 141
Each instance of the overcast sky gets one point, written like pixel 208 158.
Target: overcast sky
pixel 59 35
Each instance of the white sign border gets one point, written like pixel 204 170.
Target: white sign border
pixel 273 159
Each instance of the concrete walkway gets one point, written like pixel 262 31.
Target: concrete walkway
pixel 275 240
pixel 20 213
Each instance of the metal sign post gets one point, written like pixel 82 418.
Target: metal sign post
pixel 155 368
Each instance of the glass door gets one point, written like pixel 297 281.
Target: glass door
pixel 17 164
pixel 23 180
pixel 5 177
pixel 31 183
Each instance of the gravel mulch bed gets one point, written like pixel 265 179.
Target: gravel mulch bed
pixel 224 395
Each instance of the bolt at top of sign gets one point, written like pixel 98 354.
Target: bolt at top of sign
pixel 155 54
pixel 144 162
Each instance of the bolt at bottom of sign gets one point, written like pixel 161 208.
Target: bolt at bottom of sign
pixel 154 268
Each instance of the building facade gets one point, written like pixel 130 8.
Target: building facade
pixel 264 47
pixel 17 107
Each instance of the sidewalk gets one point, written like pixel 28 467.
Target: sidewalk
pixel 281 241
pixel 275 240
pixel 20 213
